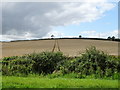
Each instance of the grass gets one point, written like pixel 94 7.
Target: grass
pixel 60 82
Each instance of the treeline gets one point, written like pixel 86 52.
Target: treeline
pixel 93 63
pixel 80 37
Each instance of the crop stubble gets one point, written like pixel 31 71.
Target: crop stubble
pixel 71 47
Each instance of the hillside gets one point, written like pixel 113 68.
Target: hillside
pixel 70 47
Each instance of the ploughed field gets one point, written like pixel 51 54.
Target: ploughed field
pixel 71 47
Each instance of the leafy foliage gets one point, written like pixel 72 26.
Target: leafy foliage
pixel 17 66
pixel 46 62
pixel 93 62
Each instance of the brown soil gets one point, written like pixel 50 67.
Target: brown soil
pixel 72 47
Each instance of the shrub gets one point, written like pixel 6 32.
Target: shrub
pixel 46 62
pixel 9 58
pixel 99 62
pixel 92 62
pixel 17 66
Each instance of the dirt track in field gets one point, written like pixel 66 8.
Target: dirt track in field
pixel 71 47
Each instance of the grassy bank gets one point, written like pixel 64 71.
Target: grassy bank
pixel 45 82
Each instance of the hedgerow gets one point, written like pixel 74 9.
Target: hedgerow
pixel 93 63
pixel 44 63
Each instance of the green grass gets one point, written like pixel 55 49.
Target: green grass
pixel 45 82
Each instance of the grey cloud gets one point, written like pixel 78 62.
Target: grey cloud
pixel 39 18
pixel 19 18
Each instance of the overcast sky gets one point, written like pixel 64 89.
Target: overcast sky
pixel 31 20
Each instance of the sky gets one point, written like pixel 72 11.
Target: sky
pixel 33 20
pixel 106 26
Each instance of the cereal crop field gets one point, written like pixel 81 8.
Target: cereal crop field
pixel 71 47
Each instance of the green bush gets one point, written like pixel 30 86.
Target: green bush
pixel 92 62
pixel 17 66
pixel 9 58
pixel 46 62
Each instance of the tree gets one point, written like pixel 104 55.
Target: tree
pixel 80 36
pixel 113 38
pixel 52 36
pixel 109 38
